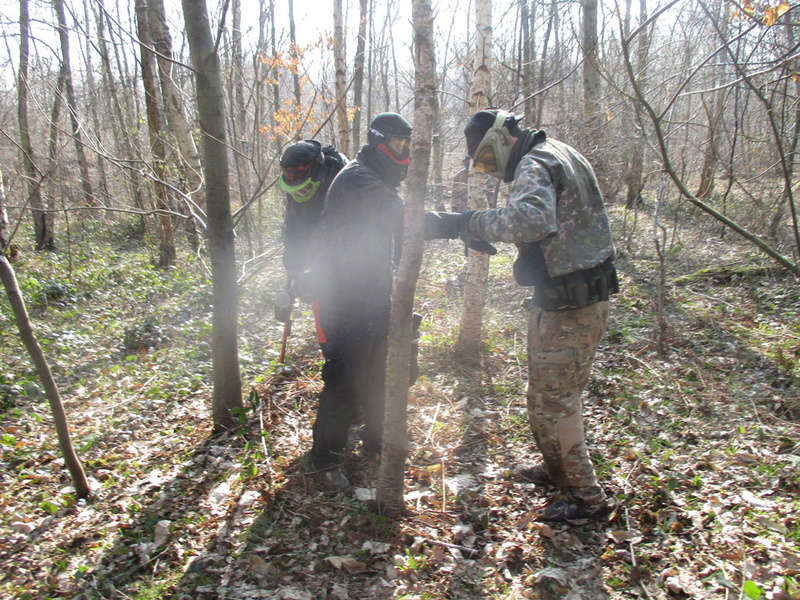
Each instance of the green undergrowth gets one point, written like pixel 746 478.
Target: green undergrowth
pixel 699 444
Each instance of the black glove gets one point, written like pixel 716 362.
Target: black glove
pixel 283 305
pixel 481 246
pixel 302 286
pixel 444 225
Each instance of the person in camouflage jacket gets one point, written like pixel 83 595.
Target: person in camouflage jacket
pixel 556 217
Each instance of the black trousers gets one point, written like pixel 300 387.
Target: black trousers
pixel 354 378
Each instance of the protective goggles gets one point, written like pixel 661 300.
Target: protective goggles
pixel 400 146
pixel 397 149
pixel 302 191
pixel 295 175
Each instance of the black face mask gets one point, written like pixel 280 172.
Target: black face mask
pixel 389 168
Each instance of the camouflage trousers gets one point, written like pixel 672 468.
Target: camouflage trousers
pixel 561 346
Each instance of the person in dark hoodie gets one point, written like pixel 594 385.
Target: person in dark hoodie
pixel 359 234
pixel 556 217
pixel 307 170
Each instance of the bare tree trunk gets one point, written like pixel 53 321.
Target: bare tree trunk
pixel 43 235
pixel 389 493
pixel 358 74
pixel 37 357
pixel 527 61
pixel 592 94
pixel 238 121
pixel 155 122
pixel 86 184
pixel 778 215
pixel 52 152
pixel 714 118
pixel 3 216
pixel 92 100
pixel 227 397
pixel 468 345
pixel 390 11
pixel 552 22
pixel 122 137
pixel 633 178
pixel 370 61
pixel 294 54
pixel 276 94
pixel 341 77
pixel 190 164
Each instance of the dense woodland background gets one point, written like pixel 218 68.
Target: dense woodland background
pixel 140 228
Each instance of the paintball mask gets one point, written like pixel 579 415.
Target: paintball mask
pixel 489 141
pixel 390 136
pixel 301 165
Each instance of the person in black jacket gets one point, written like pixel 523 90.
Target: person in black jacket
pixel 359 234
pixel 307 170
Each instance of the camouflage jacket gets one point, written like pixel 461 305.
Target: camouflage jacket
pixel 554 200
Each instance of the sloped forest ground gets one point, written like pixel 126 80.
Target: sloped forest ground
pixel 699 445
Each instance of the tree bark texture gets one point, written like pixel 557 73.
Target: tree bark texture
pixel 294 55
pixel 468 346
pixel 358 74
pixel 227 397
pixel 92 101
pixel 190 167
pixel 389 491
pixel 83 166
pixel 28 337
pixel 633 177
pixel 120 131
pixel 238 122
pixel 713 110
pixel 4 236
pixel 156 129
pixel 527 61
pixel 341 78
pixel 43 235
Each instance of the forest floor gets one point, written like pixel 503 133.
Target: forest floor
pixel 700 444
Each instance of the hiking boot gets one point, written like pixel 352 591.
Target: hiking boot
pixel 536 475
pixel 570 509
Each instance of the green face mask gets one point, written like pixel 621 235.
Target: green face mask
pixel 303 191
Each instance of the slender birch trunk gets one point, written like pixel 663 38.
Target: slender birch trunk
pixel 389 493
pixel 468 346
pixel 190 167
pixel 341 77
pixel 358 74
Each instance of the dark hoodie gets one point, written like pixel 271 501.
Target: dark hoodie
pixel 358 239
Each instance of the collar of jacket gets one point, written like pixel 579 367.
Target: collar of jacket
pixel 525 144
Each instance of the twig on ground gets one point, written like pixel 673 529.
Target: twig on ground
pixel 433 424
pixel 449 545
pixel 264 443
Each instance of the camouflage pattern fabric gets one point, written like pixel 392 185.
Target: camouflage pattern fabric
pixel 554 200
pixel 561 346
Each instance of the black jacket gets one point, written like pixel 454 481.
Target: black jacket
pixel 301 219
pixel 358 240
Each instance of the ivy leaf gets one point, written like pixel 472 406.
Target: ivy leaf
pixel 752 590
